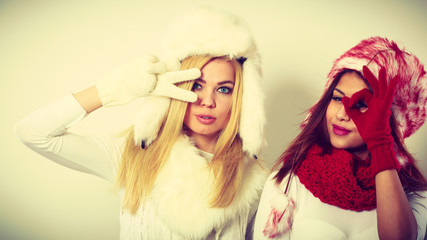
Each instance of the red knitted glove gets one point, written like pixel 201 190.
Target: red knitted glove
pixel 373 124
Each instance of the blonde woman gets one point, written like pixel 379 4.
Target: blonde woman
pixel 188 168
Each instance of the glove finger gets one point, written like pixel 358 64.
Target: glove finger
pixel 181 76
pixel 353 113
pixel 345 101
pixel 364 95
pixel 382 79
pixel 156 68
pixel 173 91
pixel 184 95
pixel 372 80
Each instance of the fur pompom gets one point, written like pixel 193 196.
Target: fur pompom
pixel 281 215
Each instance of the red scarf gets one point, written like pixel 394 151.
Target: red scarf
pixel 340 179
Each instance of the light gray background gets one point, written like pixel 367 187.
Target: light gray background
pixel 51 48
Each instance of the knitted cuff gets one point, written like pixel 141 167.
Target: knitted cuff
pixel 106 93
pixel 118 88
pixel 383 158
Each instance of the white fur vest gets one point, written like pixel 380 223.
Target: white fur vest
pixel 180 197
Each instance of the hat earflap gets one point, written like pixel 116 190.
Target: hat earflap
pixel 252 118
pixel 149 120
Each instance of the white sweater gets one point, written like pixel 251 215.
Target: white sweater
pixel 314 219
pixel 178 206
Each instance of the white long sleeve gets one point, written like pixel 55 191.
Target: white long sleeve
pixel 45 132
pixel 314 219
pixel 419 208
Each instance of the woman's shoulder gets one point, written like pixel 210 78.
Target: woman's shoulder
pixel 272 181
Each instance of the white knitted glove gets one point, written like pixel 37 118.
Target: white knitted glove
pixel 143 77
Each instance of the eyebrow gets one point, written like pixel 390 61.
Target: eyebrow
pixel 336 89
pixel 219 83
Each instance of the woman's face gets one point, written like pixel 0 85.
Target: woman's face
pixel 210 113
pixel 342 131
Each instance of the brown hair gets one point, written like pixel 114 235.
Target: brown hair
pixel 315 132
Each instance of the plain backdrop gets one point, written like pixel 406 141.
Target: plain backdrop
pixel 51 48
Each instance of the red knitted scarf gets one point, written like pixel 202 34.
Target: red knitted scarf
pixel 340 179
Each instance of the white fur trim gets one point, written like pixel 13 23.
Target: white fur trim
pixel 252 116
pixel 182 190
pixel 149 119
pixel 207 31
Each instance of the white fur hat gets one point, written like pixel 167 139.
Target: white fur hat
pixel 410 98
pixel 206 31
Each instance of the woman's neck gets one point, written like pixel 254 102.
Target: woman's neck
pixel 204 142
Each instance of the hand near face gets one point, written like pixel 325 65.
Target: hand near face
pixel 143 77
pixel 373 124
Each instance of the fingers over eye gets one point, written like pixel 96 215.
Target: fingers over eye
pixel 363 95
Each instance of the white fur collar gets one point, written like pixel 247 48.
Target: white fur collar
pixel 181 193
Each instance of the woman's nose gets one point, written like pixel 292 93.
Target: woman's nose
pixel 207 100
pixel 341 114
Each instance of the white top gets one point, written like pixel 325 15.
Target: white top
pixel 45 131
pixel 314 219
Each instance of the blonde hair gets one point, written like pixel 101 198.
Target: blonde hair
pixel 139 167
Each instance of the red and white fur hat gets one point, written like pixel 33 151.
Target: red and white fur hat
pixel 410 98
pixel 208 31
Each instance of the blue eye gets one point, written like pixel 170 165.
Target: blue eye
pixel 196 86
pixel 225 90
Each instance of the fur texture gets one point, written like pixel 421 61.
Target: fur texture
pixel 181 193
pixel 281 215
pixel 147 122
pixel 410 98
pixel 204 31
pixel 409 103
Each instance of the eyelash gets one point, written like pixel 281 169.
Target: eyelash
pixel 338 99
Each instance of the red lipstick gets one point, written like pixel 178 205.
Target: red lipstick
pixel 340 131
